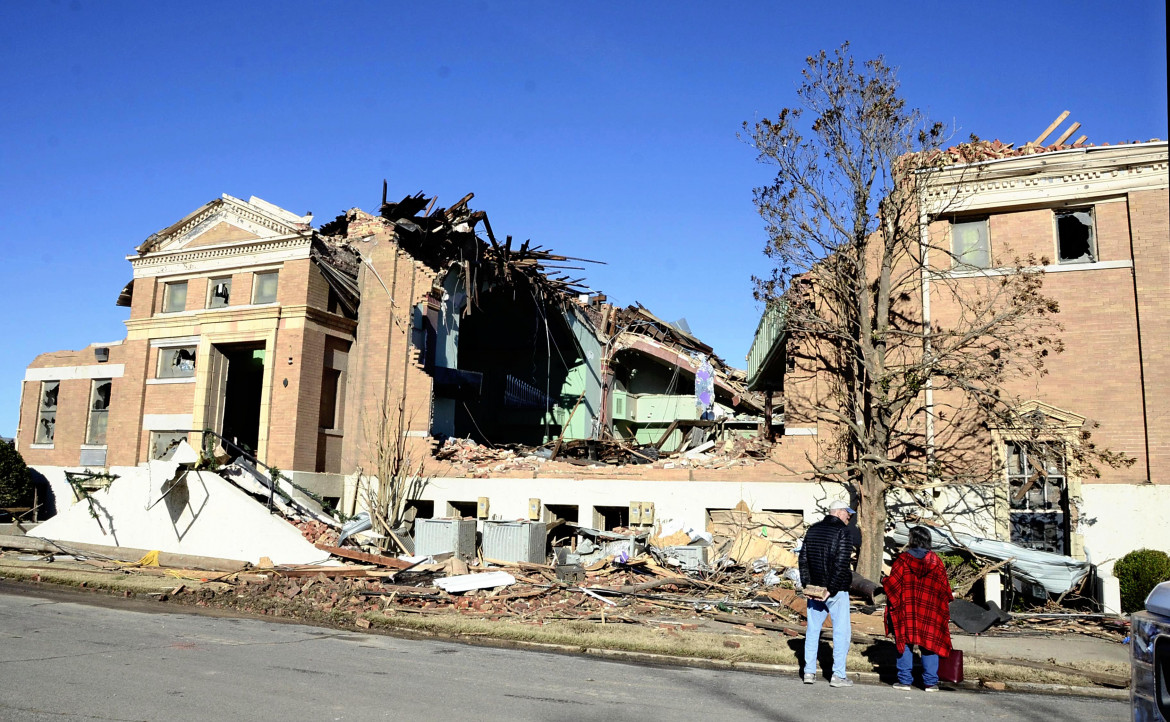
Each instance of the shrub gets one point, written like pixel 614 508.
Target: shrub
pixel 16 486
pixel 1138 573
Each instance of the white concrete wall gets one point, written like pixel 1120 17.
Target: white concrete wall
pixel 1119 518
pixel 206 516
pixel 682 501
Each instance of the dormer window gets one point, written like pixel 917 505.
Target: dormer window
pixel 219 292
pixel 1075 242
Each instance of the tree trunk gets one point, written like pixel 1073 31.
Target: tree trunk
pixel 871 519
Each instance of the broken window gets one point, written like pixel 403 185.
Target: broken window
pixel 219 292
pixel 264 287
pixel 47 412
pixel 99 410
pixel 1037 497
pixel 175 297
pixel 1074 236
pixel 164 443
pixel 176 363
pixel 970 244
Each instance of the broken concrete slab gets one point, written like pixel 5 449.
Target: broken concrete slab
pixel 196 512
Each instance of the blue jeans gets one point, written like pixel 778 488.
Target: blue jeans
pixel 929 667
pixel 837 609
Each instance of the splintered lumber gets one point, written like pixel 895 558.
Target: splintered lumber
pixel 125 554
pixel 379 559
pixel 327 571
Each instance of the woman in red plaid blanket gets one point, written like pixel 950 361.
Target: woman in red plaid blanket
pixel 918 609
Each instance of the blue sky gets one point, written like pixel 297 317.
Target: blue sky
pixel 602 130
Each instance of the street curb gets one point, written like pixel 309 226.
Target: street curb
pixel 618 655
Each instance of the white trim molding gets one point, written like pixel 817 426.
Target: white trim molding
pixel 69 373
pixel 1052 268
pixel 166 422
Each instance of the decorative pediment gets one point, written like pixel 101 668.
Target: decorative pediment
pixel 227 220
pixel 1042 415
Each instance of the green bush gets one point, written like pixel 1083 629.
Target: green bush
pixel 1139 572
pixel 16 486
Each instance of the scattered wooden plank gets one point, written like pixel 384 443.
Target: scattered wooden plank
pixel 379 559
pixel 1049 129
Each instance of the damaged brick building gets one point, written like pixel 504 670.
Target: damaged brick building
pixel 1097 217
pixel 294 343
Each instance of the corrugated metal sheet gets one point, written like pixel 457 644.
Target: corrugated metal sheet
pixel 1056 573
pixel 439 536
pixel 515 541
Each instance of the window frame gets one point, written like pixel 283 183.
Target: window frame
pixel 165 351
pixel 168 295
pixel 1053 496
pixel 957 262
pixel 95 413
pixel 1092 256
pixel 47 411
pixel 211 285
pixel 256 300
pixel 157 436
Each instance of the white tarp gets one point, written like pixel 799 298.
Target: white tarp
pixel 1055 572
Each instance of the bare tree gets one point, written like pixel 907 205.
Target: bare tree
pixel 398 475
pixel 913 404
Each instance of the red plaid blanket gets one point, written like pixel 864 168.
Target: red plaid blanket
pixel 918 603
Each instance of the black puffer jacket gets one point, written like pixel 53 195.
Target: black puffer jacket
pixel 824 556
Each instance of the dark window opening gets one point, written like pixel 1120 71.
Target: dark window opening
pixel 465 509
pixel 422 508
pixel 607 518
pixel 47 412
pixel 1074 236
pixel 219 292
pixel 568 512
pixel 99 410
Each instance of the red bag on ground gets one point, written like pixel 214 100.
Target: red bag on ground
pixel 950 669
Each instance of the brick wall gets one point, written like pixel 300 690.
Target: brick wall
pixel 382 362
pixel 1149 216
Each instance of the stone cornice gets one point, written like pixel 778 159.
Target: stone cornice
pixel 213 258
pixel 1057 178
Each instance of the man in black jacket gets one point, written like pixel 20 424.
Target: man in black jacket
pixel 825 562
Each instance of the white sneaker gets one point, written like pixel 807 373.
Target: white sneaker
pixel 903 687
pixel 840 682
pixel 810 678
pixel 932 688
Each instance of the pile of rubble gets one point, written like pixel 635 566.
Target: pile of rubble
pixel 473 459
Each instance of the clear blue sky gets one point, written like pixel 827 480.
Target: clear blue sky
pixel 603 130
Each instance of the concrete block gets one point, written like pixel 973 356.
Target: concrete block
pixel 1109 594
pixel 993 588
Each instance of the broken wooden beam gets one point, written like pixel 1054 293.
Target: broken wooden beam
pixel 379 559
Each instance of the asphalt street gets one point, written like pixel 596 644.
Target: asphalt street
pixel 71 658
